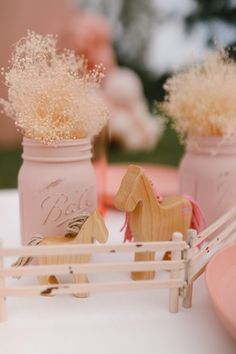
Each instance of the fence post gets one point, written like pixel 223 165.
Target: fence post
pixel 192 236
pixel 174 293
pixel 3 310
pixel 188 293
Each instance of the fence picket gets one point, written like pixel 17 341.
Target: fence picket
pixel 174 293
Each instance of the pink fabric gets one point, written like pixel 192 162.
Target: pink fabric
pixel 89 34
pixel 128 235
pixel 156 192
pixel 198 221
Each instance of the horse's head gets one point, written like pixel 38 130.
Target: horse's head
pixel 74 226
pixel 128 196
pixel 92 229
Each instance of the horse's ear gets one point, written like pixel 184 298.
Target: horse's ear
pixel 97 215
pixel 135 169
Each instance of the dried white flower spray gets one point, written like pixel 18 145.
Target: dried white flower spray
pixel 202 99
pixel 53 96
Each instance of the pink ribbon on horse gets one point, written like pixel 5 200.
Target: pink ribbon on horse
pixel 198 221
pixel 128 234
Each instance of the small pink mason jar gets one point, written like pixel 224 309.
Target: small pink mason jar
pixel 208 174
pixel 55 183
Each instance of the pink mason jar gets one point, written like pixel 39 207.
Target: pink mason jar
pixel 56 182
pixel 208 174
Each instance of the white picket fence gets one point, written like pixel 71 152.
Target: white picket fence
pixel 188 262
pixel 204 245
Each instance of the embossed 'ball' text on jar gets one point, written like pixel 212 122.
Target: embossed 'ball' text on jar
pixel 208 173
pixel 56 182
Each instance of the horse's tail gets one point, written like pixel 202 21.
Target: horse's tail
pixel 198 221
pixel 128 234
pixel 23 261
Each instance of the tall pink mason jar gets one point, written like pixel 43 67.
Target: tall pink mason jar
pixel 55 183
pixel 208 174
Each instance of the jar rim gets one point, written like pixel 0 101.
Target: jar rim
pixel 212 139
pixel 64 151
pixel 63 143
pixel 211 145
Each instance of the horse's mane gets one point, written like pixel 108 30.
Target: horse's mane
pixel 23 261
pixel 75 225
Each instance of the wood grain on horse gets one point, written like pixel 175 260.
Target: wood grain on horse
pixel 150 219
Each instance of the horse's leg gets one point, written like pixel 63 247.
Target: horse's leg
pixel 167 256
pixel 81 278
pixel 45 280
pixel 183 215
pixel 141 257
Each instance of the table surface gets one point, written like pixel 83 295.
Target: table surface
pixel 132 322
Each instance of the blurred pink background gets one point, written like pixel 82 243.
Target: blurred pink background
pixel 83 32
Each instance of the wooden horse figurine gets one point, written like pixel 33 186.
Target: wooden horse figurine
pixel 83 229
pixel 151 219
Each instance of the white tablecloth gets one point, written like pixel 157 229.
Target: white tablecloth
pixel 113 323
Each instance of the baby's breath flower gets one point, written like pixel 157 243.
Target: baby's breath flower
pixel 202 99
pixel 53 96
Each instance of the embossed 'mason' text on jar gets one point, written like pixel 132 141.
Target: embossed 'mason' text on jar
pixel 56 182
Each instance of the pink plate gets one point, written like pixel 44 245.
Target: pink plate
pixel 221 283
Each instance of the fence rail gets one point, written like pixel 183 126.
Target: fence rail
pixel 70 288
pixel 79 249
pixel 204 245
pixel 215 226
pixel 64 269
